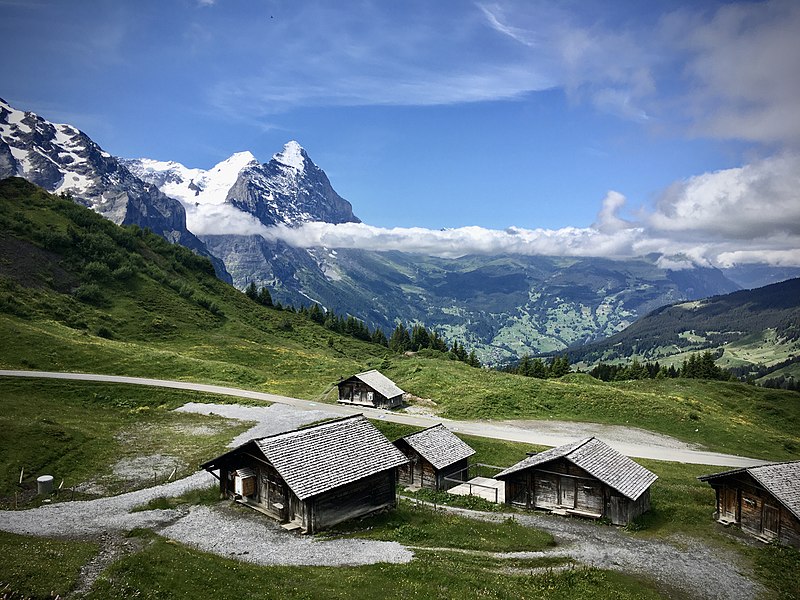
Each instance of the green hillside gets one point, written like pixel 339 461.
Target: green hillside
pixel 78 293
pixel 751 331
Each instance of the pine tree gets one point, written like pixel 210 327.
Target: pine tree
pixel 264 297
pixel 251 291
pixel 400 340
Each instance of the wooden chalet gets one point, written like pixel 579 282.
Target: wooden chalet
pixel 372 389
pixel 433 454
pixel 315 477
pixel 763 501
pixel 587 478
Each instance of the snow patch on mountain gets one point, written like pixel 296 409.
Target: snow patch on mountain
pixel 192 186
pixel 292 156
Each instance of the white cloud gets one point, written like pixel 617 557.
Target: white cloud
pixel 210 219
pixel 569 241
pixel 758 200
pixel 749 214
pixel 742 66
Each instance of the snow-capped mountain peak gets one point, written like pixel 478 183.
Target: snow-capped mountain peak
pixel 293 155
pixel 193 186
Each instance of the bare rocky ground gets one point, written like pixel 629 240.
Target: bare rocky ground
pixel 684 568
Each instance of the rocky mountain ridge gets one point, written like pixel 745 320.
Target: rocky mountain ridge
pixel 63 159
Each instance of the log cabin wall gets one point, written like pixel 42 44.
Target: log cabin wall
pixel 561 485
pixel 744 501
pixel 353 500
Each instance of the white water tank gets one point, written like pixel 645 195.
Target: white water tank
pixel 44 485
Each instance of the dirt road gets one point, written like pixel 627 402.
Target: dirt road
pixel 629 441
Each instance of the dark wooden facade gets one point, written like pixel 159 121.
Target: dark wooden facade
pixel 370 389
pixel 315 477
pixel 744 501
pixel 586 478
pixel 270 494
pixel 420 472
pixel 564 488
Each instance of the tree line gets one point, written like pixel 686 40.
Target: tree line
pixel 696 366
pixel 557 366
pixel 402 339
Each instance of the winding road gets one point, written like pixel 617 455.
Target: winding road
pixel 632 442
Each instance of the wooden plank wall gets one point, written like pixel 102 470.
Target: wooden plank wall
pixel 561 484
pixel 353 500
pixel 756 511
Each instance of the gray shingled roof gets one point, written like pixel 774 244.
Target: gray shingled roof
pixel 439 446
pixel 380 383
pixel 782 480
pixel 319 458
pixel 599 460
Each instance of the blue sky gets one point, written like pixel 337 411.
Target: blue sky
pixel 634 126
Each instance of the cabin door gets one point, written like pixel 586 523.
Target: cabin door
pixel 728 504
pixel 770 522
pixel 566 492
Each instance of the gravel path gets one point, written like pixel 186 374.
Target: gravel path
pixel 234 533
pixel 685 568
pixel 610 434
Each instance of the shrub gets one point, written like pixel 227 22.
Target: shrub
pixel 97 271
pixel 90 293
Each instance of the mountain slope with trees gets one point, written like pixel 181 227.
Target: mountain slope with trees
pixel 749 331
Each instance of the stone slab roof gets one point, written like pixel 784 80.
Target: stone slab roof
pixel 380 383
pixel 599 460
pixel 782 480
pixel 316 459
pixel 439 446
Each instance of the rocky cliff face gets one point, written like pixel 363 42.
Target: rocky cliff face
pixel 62 159
pixel 289 190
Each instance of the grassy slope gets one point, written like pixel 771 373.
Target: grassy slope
pixel 160 325
pixel 77 431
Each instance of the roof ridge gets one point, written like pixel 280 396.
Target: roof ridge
pixel 424 430
pixel 581 444
pixel 304 428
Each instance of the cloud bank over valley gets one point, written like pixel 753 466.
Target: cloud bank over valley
pixel 744 215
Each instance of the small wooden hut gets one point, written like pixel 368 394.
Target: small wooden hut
pixel 315 477
pixel 587 478
pixel 372 389
pixel 763 501
pixel 433 454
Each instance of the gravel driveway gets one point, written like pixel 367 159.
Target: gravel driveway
pixel 685 568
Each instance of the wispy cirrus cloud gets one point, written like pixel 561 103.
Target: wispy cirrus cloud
pixel 727 72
